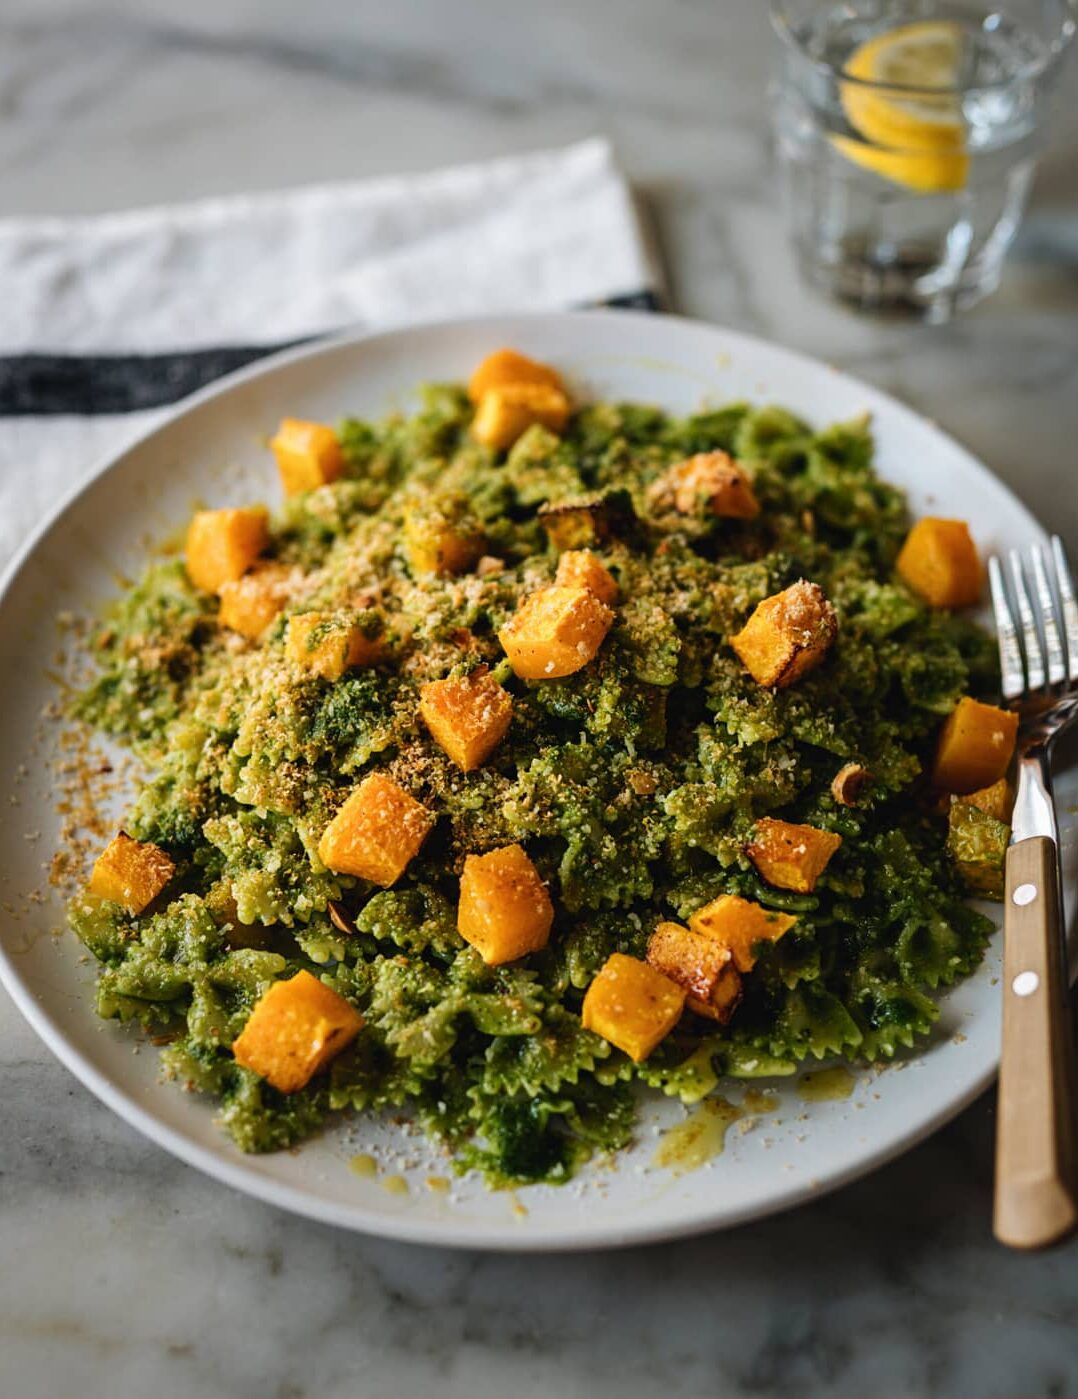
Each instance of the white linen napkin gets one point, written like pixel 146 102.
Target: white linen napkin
pixel 109 319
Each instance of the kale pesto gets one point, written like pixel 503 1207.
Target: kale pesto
pixel 633 784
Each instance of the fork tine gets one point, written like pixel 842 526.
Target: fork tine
pixel 1053 644
pixel 1010 653
pixel 1068 605
pixel 1031 642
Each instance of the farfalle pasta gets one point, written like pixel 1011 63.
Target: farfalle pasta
pixel 524 642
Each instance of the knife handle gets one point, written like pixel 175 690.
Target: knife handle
pixel 1036 1201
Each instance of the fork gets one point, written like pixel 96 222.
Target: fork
pixel 1036 1194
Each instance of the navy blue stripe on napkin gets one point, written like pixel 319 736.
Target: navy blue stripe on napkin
pixel 43 385
pixel 631 301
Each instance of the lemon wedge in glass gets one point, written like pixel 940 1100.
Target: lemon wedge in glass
pixel 910 119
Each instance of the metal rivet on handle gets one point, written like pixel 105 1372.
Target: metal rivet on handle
pixel 1025 983
pixel 1024 894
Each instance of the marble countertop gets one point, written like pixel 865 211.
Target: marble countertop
pixel 126 1272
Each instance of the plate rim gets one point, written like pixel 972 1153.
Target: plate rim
pixel 427 1231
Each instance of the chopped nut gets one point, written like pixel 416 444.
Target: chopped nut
pixel 849 782
pixel 338 916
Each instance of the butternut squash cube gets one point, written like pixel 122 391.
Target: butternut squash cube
pixel 249 604
pixel 579 521
pixel 711 482
pixel 130 872
pixel 329 643
pixel 579 568
pixel 704 969
pixel 505 910
pixel 975 747
pixel 632 1005
pixel 977 843
pixel 790 856
pixel 441 539
pixel 939 561
pixel 787 635
pixel 505 413
pixel 467 717
pixel 739 924
pixel 308 455
pixel 510 367
pixel 995 801
pixel 296 1028
pixel 223 544
pixel 554 632
pixel 376 833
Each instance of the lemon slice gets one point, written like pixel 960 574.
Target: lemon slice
pixel 914 138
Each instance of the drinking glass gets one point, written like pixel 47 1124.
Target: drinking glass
pixel 907 136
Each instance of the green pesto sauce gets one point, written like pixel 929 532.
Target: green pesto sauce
pixel 826 1085
pixel 760 1101
pixel 632 784
pixel 699 1139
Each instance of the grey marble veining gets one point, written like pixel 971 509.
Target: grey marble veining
pixel 125 1272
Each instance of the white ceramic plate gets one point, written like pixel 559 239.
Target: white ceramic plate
pixel 211 449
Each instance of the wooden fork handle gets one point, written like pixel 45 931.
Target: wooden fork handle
pixel 1036 1198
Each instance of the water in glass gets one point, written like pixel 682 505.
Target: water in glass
pixel 907 135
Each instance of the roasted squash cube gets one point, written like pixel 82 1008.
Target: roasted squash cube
pixel 977 843
pixel 467 717
pixel 130 872
pixel 939 561
pixel 632 1005
pixel 790 856
pixel 377 831
pixel 995 801
pixel 739 924
pixel 510 367
pixel 505 413
pixel 308 455
pixel 296 1028
pixel 223 544
pixel 249 604
pixel 329 643
pixel 787 635
pixel 554 632
pixel 580 520
pixel 711 483
pixel 579 568
pixel 505 911
pixel 441 538
pixel 975 747
pixel 704 969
